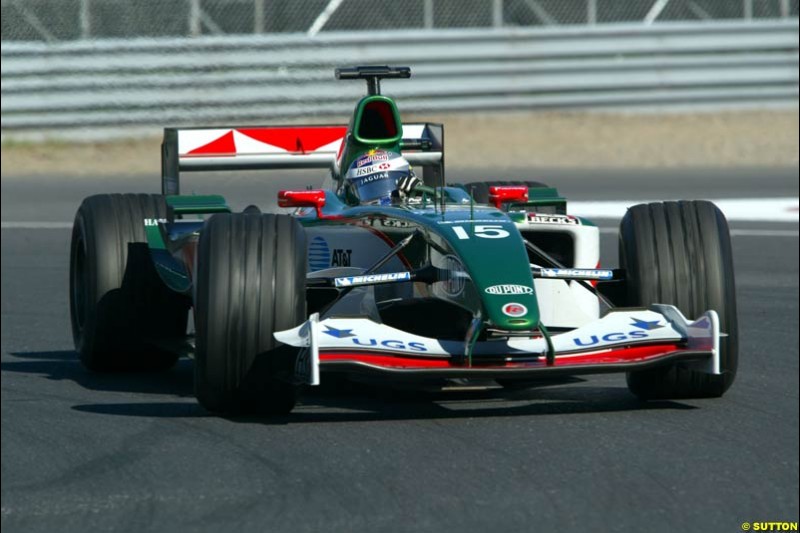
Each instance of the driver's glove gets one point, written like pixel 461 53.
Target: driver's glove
pixel 407 184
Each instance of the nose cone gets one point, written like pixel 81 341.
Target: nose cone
pixel 494 256
pixel 511 306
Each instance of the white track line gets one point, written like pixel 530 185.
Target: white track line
pixel 764 233
pixel 736 232
pixel 35 225
pixel 755 209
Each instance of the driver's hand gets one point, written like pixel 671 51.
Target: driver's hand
pixel 407 184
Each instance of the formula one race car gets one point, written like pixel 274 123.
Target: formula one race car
pixel 388 270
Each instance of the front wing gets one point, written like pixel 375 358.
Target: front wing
pixel 623 340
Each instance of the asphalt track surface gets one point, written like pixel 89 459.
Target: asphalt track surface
pixel 88 452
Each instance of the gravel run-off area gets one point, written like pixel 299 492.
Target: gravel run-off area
pixel 723 139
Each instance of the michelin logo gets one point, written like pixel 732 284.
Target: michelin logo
pixel 352 281
pixel 577 273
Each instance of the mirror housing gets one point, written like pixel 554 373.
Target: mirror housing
pixel 312 198
pixel 507 194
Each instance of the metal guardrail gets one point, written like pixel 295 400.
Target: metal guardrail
pixel 258 79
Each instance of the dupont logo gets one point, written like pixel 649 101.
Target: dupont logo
pixel 509 289
pixel 515 310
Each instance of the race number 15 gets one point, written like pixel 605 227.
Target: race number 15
pixel 486 232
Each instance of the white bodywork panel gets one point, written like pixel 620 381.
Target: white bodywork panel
pixel 566 304
pixel 617 329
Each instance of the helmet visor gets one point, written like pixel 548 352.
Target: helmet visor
pixel 378 186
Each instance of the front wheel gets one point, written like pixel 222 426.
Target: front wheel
pixel 679 253
pixel 251 272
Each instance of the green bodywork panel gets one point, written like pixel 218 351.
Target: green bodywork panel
pixel 484 239
pixel 171 271
pixel 543 197
pixel 198 204
pixel 356 144
pixel 492 252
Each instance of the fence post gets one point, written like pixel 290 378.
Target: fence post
pixel 655 11
pixel 194 18
pixel 427 14
pixel 258 16
pixel 591 12
pixel 85 20
pixel 784 7
pixel 747 9
pixel 497 13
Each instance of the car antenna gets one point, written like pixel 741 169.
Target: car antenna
pixel 373 74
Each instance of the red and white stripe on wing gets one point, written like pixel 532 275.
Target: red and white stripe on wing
pixel 226 142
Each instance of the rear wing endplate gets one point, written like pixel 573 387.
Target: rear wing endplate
pixel 283 147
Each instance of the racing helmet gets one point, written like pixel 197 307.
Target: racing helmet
pixel 373 176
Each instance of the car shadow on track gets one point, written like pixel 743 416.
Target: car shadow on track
pixel 378 403
pixel 367 403
pixel 65 365
pixel 337 400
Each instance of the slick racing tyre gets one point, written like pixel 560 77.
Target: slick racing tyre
pixel 251 271
pixel 679 253
pixel 119 307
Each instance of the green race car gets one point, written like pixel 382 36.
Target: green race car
pixel 389 270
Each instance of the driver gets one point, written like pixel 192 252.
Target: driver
pixel 376 175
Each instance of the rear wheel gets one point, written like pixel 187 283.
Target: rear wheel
pixel 119 308
pixel 250 283
pixel 679 253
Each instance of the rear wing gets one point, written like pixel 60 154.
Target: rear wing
pixel 283 147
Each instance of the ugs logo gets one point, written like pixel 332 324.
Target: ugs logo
pixel 610 337
pixel 372 342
